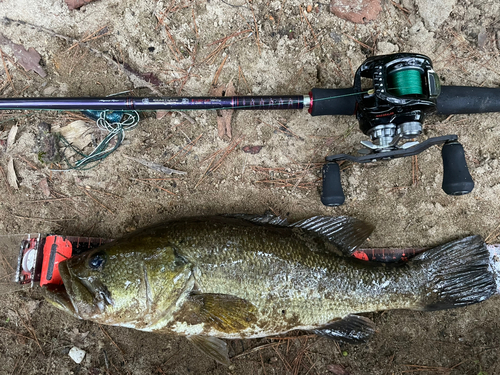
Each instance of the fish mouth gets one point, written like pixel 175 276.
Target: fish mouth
pixel 58 297
pixel 68 296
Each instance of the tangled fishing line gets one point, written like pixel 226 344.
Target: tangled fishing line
pixel 115 127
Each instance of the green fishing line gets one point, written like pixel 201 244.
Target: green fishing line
pixel 406 82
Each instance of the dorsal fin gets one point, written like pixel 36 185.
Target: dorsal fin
pixel 267 218
pixel 347 233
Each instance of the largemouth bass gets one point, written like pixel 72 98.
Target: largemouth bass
pixel 243 276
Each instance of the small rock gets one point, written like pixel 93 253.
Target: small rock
pixel 337 38
pixel 420 38
pixel 77 354
pixel 434 13
pixel 385 48
pixel 482 38
pixel 309 8
pixel 49 91
pixel 357 11
pixel 63 89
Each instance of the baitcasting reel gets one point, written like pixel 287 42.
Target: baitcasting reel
pixel 405 89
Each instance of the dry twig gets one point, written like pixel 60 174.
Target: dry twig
pixel 214 165
pixel 415 170
pixel 256 29
pixel 493 235
pixel 221 45
pixel 360 43
pixel 186 148
pixel 9 79
pixel 96 52
pixel 217 73
pixel 95 200
pixel 152 184
pixel 433 369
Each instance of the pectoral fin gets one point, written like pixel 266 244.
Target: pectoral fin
pixel 346 233
pixel 353 329
pixel 213 347
pixel 223 312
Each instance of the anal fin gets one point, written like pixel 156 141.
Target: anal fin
pixel 213 347
pixel 353 329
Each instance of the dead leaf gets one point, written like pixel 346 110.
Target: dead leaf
pixel 252 149
pixel 77 338
pixel 48 149
pixel 75 4
pixel 224 116
pixel 337 370
pixel 148 77
pixel 44 186
pixel 356 11
pixel 28 59
pixel 11 174
pixel 77 133
pixel 12 137
pixel 156 167
pixel 161 114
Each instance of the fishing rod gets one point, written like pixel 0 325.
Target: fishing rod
pixel 402 89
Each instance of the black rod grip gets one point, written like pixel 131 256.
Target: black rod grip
pixel 332 194
pixel 456 177
pixel 333 102
pixel 463 99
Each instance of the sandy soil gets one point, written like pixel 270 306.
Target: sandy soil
pixel 292 52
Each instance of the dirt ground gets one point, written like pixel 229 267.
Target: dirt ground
pixel 273 47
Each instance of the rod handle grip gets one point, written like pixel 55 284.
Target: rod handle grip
pixel 456 177
pixel 332 193
pixel 332 102
pixel 464 99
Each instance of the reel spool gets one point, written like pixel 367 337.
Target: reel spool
pixel 405 89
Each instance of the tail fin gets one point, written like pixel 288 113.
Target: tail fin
pixel 458 274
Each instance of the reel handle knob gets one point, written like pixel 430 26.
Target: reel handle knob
pixel 332 194
pixel 456 177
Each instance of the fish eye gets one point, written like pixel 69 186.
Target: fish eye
pixel 97 261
